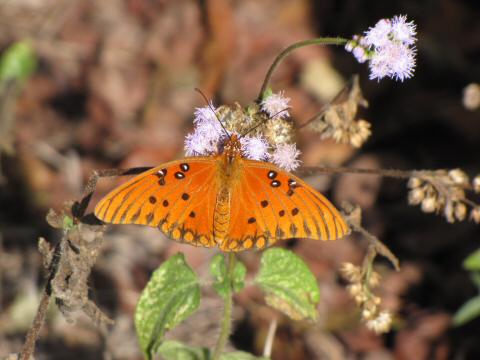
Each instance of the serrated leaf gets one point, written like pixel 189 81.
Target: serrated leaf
pixel 174 350
pixel 171 295
pixel 218 269
pixel 472 262
pixel 241 355
pixel 289 284
pixel 18 62
pixel 467 312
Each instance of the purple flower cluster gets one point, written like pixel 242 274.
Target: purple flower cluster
pixel 209 136
pixel 389 48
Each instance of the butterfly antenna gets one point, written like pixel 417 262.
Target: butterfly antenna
pixel 261 123
pixel 213 110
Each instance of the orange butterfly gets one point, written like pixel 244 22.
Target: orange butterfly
pixel 223 200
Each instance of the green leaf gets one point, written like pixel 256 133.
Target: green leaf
pixel 18 62
pixel 218 269
pixel 467 312
pixel 472 262
pixel 174 350
pixel 240 355
pixel 288 283
pixel 171 295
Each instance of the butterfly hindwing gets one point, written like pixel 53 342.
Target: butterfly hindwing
pixel 175 197
pixel 272 204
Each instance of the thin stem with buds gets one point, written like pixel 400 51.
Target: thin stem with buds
pixel 227 309
pixel 289 49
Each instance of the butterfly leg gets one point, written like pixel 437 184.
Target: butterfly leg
pixel 79 207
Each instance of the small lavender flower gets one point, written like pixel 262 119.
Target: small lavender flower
pixel 276 105
pixel 360 54
pixel 396 61
pixel 404 31
pixel 206 135
pixel 286 156
pixel 205 114
pixel 255 148
pixel 196 144
pixel 379 35
pixel 389 48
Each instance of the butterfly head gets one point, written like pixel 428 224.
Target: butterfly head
pixel 233 147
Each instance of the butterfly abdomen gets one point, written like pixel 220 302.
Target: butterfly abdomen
pixel 221 216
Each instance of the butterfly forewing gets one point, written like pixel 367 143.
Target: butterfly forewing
pixel 271 204
pixel 175 197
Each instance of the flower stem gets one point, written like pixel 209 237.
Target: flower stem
pixel 227 309
pixel 289 49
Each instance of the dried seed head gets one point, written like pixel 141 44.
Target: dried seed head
pixel 339 122
pixel 374 279
pixel 381 324
pixel 458 176
pixel 449 212
pixel 476 184
pixel 351 272
pixel 429 204
pixel 475 214
pixel 460 211
pixel 367 314
pixel 415 196
pixel 279 131
pixel 354 289
pixel 360 298
pixel 370 306
pixel 471 96
pixel 414 182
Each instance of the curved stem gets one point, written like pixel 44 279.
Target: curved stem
pixel 289 49
pixel 401 174
pixel 227 310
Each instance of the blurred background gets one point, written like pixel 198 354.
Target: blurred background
pixel 113 86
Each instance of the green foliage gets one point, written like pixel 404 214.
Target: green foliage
pixel 472 262
pixel 174 350
pixel 18 62
pixel 218 269
pixel 171 295
pixel 471 309
pixel 467 312
pixel 289 285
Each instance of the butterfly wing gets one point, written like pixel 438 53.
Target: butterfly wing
pixel 177 197
pixel 270 204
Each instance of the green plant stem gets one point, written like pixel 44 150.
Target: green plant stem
pixel 289 49
pixel 227 309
